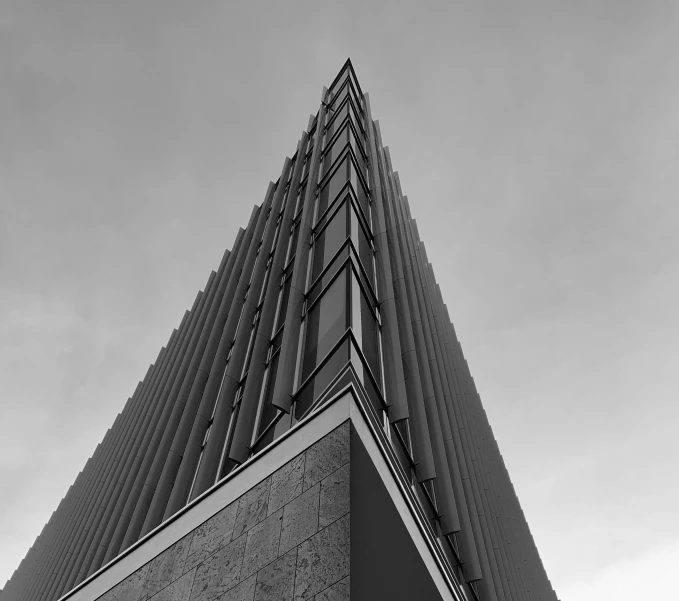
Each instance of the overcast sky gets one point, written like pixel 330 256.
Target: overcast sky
pixel 538 144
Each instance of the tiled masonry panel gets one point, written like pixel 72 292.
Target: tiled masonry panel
pixel 285 539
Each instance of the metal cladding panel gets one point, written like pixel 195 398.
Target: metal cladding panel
pixel 306 303
pixel 125 476
pixel 115 529
pixel 138 502
pixel 108 498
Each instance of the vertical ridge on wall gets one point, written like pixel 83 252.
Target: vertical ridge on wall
pixel 329 284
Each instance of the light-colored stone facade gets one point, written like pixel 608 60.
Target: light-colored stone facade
pixel 286 539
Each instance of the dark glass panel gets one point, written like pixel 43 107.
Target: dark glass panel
pixel 265 283
pixel 333 186
pixel 428 486
pixel 357 119
pixel 276 340
pixel 342 78
pixel 228 464
pixel 269 412
pixel 329 240
pixel 307 395
pixel 370 338
pixel 283 304
pixel 326 322
pixel 248 353
pixel 363 246
pixel 276 233
pixel 300 199
pixel 266 438
pixel 337 120
pixel 292 243
pixel 341 95
pixel 317 287
pixel 354 82
pixel 424 503
pixel 346 378
pixel 365 328
pixel 361 192
pixel 404 433
pixel 331 155
pixel 354 95
pixel 360 159
pixel 368 386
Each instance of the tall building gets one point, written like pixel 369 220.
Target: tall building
pixel 311 430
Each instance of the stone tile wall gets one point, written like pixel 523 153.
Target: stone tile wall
pixel 286 539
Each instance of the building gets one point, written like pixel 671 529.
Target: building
pixel 311 429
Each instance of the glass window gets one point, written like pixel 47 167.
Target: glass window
pixel 338 118
pixel 292 243
pixel 269 412
pixel 300 199
pixel 283 298
pixel 360 159
pixel 340 80
pixel 275 234
pixel 326 322
pixel 339 96
pixel 314 387
pixel 365 328
pixel 332 154
pixel 361 192
pixel 333 186
pixel 317 286
pixel 265 282
pixel 368 386
pixel 277 339
pixel 363 245
pixel 354 82
pixel 248 353
pixel 329 240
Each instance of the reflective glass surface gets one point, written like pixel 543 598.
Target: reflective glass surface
pixel 339 96
pixel 365 328
pixel 329 240
pixel 292 244
pixel 337 118
pixel 334 184
pixel 362 243
pixel 336 263
pixel 282 304
pixel 326 322
pixel 368 386
pixel 361 192
pixel 342 78
pixel 269 412
pixel 315 386
pixel 300 199
pixel 332 154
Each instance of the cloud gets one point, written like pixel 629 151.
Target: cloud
pixel 651 575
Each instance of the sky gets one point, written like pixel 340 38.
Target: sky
pixel 537 142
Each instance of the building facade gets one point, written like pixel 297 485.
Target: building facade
pixel 311 430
